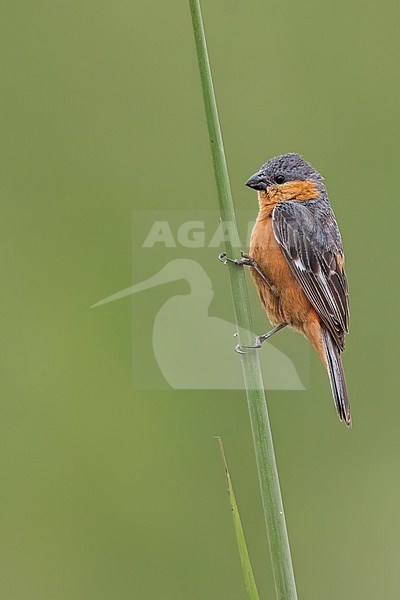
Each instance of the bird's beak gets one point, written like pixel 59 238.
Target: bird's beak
pixel 257 181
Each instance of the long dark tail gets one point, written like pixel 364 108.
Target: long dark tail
pixel 336 377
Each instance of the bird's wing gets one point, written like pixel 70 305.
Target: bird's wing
pixel 312 246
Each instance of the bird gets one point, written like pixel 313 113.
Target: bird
pixel 296 260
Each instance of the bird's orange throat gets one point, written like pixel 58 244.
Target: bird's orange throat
pixel 291 190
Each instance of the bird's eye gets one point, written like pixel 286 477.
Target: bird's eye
pixel 280 179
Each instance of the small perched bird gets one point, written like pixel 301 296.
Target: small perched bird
pixel 296 260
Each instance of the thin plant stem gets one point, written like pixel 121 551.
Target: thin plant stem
pixel 265 457
pixel 247 570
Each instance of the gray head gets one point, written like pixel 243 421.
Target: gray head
pixel 283 168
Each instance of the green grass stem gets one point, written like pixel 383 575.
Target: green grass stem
pixel 265 457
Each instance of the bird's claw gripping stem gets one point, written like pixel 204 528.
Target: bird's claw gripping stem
pixel 255 346
pixel 240 350
pixel 248 260
pixel 259 339
pixel 245 260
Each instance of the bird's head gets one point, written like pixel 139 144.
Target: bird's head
pixel 286 177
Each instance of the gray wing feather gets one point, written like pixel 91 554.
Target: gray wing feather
pixel 311 242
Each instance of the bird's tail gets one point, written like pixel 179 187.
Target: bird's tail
pixel 336 377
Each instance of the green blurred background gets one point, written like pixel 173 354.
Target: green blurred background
pixel 108 492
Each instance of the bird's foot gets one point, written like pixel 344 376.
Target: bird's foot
pixel 257 344
pixel 249 261
pixel 245 260
pixel 259 339
pixel 240 349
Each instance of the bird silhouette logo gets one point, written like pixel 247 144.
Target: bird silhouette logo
pixel 192 349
